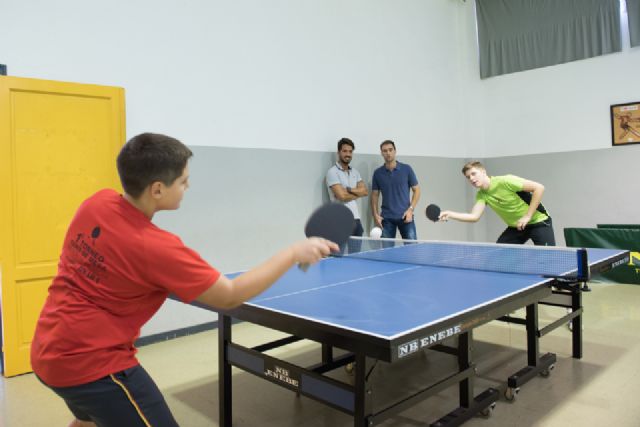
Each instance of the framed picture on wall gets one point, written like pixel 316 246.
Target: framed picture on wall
pixel 625 123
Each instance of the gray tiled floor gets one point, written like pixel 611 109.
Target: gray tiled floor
pixel 600 389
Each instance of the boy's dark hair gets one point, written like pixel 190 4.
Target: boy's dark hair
pixel 151 157
pixel 346 141
pixel 388 141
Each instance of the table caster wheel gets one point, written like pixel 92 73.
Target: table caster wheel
pixel 546 372
pixel 511 393
pixel 486 412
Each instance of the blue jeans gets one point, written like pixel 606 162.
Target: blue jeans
pixel 354 245
pixel 407 229
pixel 357 228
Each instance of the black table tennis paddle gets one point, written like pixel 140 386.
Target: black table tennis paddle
pixel 433 212
pixel 331 221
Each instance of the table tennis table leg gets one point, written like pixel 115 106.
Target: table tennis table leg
pixel 576 325
pixel 536 364
pixel 362 392
pixel 224 371
pixel 533 344
pixel 327 353
pixel 465 386
pixel 470 405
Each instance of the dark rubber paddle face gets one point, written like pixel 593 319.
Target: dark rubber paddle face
pixel 433 212
pixel 332 221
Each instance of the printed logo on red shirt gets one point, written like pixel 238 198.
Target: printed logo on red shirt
pixel 92 265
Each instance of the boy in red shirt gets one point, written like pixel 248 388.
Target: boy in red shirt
pixel 115 271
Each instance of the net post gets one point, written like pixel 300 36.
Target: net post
pixel 584 272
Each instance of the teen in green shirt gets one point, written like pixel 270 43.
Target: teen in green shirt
pixel 524 220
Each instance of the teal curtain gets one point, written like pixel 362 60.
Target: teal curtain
pixel 633 14
pixel 518 35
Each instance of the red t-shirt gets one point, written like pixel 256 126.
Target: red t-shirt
pixel 115 271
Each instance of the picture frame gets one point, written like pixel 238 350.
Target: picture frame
pixel 625 124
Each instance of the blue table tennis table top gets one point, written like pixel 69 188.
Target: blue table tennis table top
pixel 387 299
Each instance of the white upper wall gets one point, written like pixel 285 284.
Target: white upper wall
pixel 553 109
pixel 300 74
pixel 283 74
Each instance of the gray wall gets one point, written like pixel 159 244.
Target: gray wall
pixel 582 188
pixel 245 204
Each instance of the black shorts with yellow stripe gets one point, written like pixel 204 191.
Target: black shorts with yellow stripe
pixel 127 398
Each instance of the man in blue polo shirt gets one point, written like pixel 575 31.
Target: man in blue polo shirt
pixel 395 181
pixel 345 183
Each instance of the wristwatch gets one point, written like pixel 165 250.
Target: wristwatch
pixel 410 207
pixel 348 189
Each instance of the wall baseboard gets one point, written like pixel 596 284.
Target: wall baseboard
pixel 176 333
pixel 162 336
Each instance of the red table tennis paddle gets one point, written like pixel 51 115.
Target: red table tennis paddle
pixel 433 212
pixel 331 221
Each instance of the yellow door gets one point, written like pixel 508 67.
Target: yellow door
pixel 58 145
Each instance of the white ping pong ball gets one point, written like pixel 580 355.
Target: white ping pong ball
pixel 375 233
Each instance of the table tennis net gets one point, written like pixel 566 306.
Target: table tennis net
pixel 519 259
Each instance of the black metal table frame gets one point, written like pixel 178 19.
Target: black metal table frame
pixel 566 293
pixel 356 399
pixel 365 351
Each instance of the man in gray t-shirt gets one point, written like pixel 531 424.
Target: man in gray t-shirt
pixel 345 183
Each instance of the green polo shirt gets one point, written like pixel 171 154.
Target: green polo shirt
pixel 502 198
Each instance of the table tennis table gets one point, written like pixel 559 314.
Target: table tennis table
pixel 390 300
